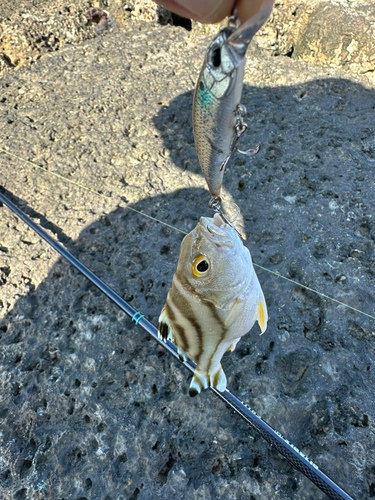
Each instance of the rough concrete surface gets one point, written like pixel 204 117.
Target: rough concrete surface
pixel 90 407
pixel 337 33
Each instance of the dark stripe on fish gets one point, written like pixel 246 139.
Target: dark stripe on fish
pixel 183 306
pixel 179 330
pixel 224 330
pixel 186 284
pixel 164 330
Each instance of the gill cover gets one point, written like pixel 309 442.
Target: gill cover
pixel 217 75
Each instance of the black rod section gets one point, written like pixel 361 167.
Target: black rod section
pixel 274 438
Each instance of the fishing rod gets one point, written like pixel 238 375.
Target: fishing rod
pixel 274 438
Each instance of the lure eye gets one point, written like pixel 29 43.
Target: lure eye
pixel 200 266
pixel 216 57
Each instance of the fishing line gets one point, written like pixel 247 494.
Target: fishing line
pixel 274 438
pixel 65 179
pixel 315 291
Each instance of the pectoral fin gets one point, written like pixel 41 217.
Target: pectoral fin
pixel 235 312
pixel 262 315
pixel 232 347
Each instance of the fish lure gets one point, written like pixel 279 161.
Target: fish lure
pixel 214 299
pixel 218 116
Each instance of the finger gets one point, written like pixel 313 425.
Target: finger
pixel 204 11
pixel 213 11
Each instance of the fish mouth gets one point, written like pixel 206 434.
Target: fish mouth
pixel 216 231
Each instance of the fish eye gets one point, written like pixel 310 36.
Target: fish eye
pixel 200 266
pixel 216 57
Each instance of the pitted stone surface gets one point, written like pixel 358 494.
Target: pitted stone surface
pixel 90 406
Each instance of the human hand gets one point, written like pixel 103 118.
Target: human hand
pixel 213 11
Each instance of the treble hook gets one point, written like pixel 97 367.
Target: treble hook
pixel 215 205
pixel 240 128
pixel 249 152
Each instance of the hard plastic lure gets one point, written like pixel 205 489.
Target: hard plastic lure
pixel 218 116
pixel 214 299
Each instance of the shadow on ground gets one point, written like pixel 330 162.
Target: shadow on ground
pixel 92 408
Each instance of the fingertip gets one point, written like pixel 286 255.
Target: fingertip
pixel 206 11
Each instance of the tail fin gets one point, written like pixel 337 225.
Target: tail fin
pixel 202 380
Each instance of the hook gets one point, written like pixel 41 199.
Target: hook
pixel 249 152
pixel 240 127
pixel 215 205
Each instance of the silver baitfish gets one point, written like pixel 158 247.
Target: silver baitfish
pixel 214 299
pixel 218 116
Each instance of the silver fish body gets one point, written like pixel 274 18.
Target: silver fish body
pixel 217 95
pixel 214 299
pixel 217 113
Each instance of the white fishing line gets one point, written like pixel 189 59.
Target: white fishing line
pixel 276 273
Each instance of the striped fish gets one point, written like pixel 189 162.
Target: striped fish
pixel 214 299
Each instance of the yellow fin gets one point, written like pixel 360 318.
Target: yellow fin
pixel 232 347
pixel 262 315
pixel 219 380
